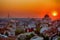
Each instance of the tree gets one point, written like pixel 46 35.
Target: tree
pixel 18 31
pixel 59 38
pixel 29 36
pixel 6 34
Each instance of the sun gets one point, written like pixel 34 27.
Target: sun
pixel 54 13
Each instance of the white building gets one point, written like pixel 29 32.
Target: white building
pixel 37 38
pixel 11 28
pixel 43 29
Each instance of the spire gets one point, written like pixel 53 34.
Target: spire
pixel 8 15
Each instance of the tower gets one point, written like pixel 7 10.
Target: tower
pixel 11 27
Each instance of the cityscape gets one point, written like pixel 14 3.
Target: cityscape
pixel 29 28
pixel 29 19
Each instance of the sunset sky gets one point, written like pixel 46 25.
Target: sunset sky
pixel 29 8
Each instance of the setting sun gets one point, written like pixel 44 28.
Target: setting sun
pixel 54 13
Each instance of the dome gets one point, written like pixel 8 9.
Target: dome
pixel 46 15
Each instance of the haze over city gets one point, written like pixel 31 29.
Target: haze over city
pixel 29 8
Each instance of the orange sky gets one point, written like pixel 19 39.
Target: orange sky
pixel 29 8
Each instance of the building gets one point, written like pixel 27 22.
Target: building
pixel 46 21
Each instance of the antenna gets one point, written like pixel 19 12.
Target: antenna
pixel 8 18
pixel 8 15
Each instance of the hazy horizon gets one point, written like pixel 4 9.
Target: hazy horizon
pixel 29 8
